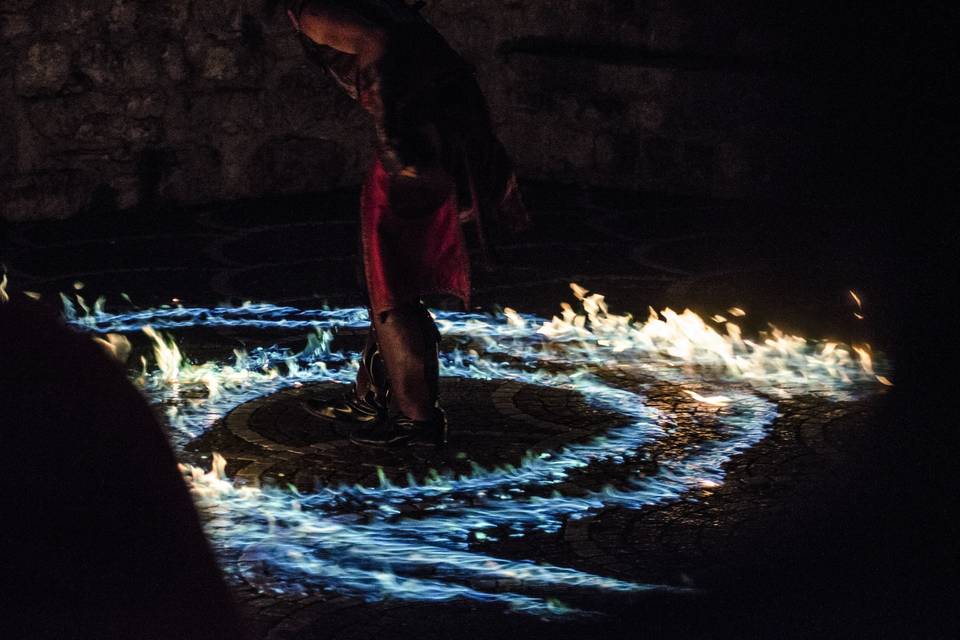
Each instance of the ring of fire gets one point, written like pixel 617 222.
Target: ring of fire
pixel 426 536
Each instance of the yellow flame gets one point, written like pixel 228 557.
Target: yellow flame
pixel 718 319
pixel 116 345
pixel 884 381
pixel 716 401
pixel 214 483
pixel 33 295
pixel 689 338
pixel 3 289
pixel 175 369
pixel 78 285
pixel 578 291
pixel 737 312
pixel 856 298
pixel 167 355
pixel 866 360
pixel 514 319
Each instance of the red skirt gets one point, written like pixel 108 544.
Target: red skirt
pixel 407 258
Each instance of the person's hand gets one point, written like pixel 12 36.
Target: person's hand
pixel 293 20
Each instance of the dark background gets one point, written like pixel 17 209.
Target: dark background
pixel 113 104
pixel 825 120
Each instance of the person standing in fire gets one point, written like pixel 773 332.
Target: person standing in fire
pixel 438 165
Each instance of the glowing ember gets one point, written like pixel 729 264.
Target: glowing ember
pixel 357 540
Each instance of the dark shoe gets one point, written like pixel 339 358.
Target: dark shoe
pixel 401 431
pixel 348 407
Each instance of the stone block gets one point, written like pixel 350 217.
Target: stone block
pixel 40 196
pixel 100 63
pixel 107 131
pixel 57 119
pixel 219 63
pixel 222 18
pixel 166 19
pixel 13 25
pixel 228 64
pixel 68 16
pixel 140 66
pixel 145 104
pixel 43 70
pixel 174 62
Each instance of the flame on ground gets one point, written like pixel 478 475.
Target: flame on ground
pixel 358 540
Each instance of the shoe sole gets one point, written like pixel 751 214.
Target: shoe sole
pixel 400 443
pixel 361 418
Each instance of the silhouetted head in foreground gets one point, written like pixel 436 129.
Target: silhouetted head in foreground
pixel 100 535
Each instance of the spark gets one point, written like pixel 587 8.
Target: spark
pixel 856 298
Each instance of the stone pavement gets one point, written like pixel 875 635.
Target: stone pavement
pixel 787 545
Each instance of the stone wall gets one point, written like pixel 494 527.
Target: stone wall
pixel 108 104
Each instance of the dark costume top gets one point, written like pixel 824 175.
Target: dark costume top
pixel 431 119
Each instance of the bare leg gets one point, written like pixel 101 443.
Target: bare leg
pixel 407 338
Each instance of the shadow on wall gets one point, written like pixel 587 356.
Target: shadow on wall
pixel 292 164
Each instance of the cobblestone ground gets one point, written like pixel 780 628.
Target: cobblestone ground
pixel 772 548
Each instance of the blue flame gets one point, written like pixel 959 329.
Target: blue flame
pixel 358 540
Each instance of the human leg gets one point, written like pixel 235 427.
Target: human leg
pixel 368 397
pixel 408 341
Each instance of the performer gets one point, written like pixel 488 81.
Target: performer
pixel 438 165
